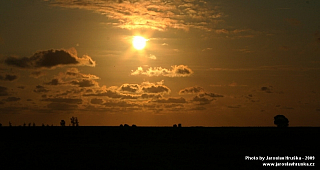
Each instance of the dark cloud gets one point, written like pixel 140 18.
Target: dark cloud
pixel 96 101
pixel 50 59
pixel 61 106
pixel 84 83
pixel 37 74
pixel 63 100
pixel 40 89
pixel 11 99
pixel 146 96
pixel 267 89
pixel 108 93
pixel 120 103
pixel 210 95
pixel 202 100
pixel 53 82
pixel 3 91
pixel 8 77
pixel 198 108
pixel 191 90
pixel 133 88
pixel 234 107
pixel 176 71
pixel 172 100
pixel 156 89
pixel 21 87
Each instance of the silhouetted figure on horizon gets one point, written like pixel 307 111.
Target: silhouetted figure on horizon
pixel 33 124
pixel 29 124
pixel 0 124
pixel 179 125
pixel 281 121
pixel 10 124
pixel 175 125
pixel 121 125
pixel 24 124
pixel 126 125
pixel 134 125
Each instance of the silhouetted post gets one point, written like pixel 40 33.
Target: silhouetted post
pixel 281 121
pixel 62 123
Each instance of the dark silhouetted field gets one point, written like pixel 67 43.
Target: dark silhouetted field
pixel 152 147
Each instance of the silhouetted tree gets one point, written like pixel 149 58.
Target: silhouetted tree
pixel 134 125
pixel 0 124
pixel 175 125
pixel 121 125
pixel 29 124
pixel 42 124
pixel 126 125
pixel 62 123
pixel 74 121
pixel 281 121
pixel 24 124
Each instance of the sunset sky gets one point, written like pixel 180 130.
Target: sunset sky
pixel 205 63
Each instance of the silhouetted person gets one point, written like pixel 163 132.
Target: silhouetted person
pixel 281 121
pixel 62 123
pixel 179 125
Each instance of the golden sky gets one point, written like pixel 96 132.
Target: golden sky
pixel 205 62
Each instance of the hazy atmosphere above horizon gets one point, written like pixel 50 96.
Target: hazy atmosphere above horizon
pixel 160 62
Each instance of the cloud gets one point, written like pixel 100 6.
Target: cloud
pixel 85 83
pixel 176 71
pixel 37 74
pixel 267 89
pixel 50 59
pixel 153 57
pixel 210 95
pixel 96 101
pixel 11 99
pixel 172 100
pixel 3 91
pixel 147 14
pixel 64 100
pixel 61 106
pixel 191 90
pixel 53 82
pixel 131 88
pixel 8 77
pixel 40 89
pixel 74 72
pixel 202 100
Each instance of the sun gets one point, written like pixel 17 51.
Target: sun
pixel 139 42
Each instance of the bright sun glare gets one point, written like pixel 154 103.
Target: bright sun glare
pixel 138 42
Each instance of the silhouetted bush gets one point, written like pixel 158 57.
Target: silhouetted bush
pixel 62 123
pixel 134 125
pixel 126 125
pixel 281 121
pixel 179 125
pixel 175 125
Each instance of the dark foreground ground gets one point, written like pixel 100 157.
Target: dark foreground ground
pixel 153 147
